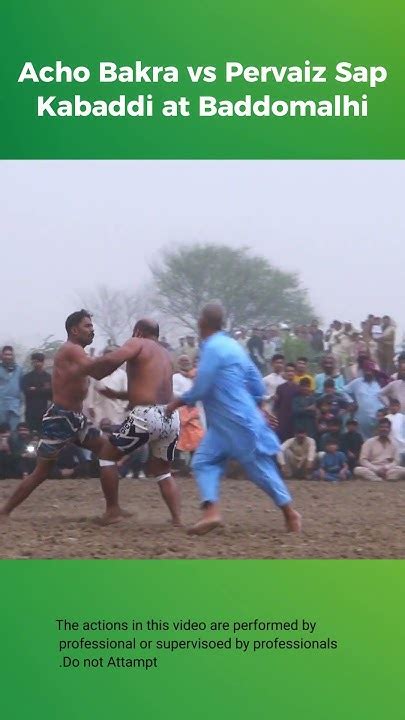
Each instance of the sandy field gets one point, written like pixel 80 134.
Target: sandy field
pixel 351 520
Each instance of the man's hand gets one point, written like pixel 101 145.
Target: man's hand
pixel 270 418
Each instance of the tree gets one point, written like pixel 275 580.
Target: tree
pixel 48 346
pixel 251 289
pixel 116 310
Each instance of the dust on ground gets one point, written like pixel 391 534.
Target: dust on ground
pixel 352 519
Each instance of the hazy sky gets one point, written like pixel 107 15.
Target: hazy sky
pixel 67 227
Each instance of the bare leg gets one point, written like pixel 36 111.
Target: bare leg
pixel 210 520
pixel 171 496
pixel 27 486
pixel 167 486
pixel 292 518
pixel 109 479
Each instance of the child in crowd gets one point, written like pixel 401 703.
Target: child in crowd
pixel 333 464
pixel 351 444
pixel 336 400
pixel 334 433
pixel 324 414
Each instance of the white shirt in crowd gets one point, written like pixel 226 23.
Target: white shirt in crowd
pixel 114 410
pixel 398 429
pixel 272 382
pixel 183 384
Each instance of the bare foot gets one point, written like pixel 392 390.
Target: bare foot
pixel 205 526
pixel 113 516
pixel 293 521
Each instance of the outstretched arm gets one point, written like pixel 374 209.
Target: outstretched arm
pixel 100 367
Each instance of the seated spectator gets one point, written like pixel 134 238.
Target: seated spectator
pixel 297 456
pixel 397 420
pixel 23 449
pixel 352 442
pixel 6 457
pixel 304 408
pixel 336 400
pixel 333 434
pixel 333 464
pixel 379 457
pixel 302 372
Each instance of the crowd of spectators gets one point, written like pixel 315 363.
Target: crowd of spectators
pixel 339 403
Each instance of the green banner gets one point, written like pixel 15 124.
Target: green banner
pixel 240 80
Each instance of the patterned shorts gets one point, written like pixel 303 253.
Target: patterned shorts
pixel 148 424
pixel 61 427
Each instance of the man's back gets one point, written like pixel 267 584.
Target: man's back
pixel 150 374
pixel 234 381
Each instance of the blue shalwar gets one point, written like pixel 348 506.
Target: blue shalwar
pixel 230 387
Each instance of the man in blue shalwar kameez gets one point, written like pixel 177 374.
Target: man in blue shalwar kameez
pixel 231 390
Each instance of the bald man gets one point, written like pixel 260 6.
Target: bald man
pixel 150 388
pixel 232 391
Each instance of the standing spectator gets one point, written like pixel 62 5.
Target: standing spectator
pixel 275 378
pixel 297 456
pixel 269 349
pixel 6 456
pixel 302 372
pixel 335 400
pixel 386 345
pixel 352 443
pixel 328 365
pixel 395 390
pixel 255 347
pixel 316 339
pixel 397 420
pixel 335 345
pixel 379 457
pixel 191 421
pixel 242 338
pixel 36 386
pixel 366 393
pixel 283 404
pixel 10 388
pixel 190 348
pixel 400 373
pixel 333 464
pixel 304 409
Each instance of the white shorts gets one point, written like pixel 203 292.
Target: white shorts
pixel 148 424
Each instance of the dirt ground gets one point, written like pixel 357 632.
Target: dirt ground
pixel 351 520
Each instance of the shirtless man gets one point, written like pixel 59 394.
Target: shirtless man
pixel 150 389
pixel 64 422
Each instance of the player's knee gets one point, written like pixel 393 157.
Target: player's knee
pixel 107 463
